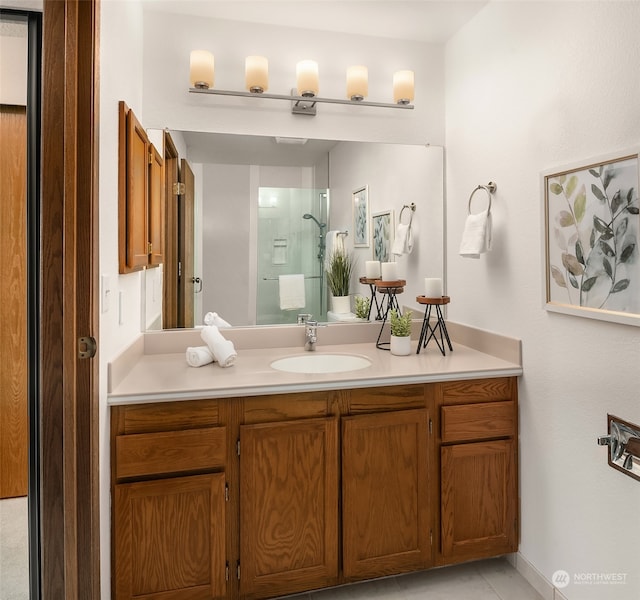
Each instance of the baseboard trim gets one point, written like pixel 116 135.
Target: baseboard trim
pixel 536 579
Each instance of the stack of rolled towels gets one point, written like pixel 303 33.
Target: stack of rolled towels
pixel 217 349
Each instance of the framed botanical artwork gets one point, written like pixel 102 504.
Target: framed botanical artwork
pixel 361 232
pixel 382 223
pixel 591 229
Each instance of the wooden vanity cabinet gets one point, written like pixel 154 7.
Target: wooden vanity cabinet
pixel 478 469
pixel 169 501
pixel 259 497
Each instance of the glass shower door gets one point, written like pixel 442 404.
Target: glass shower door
pixel 292 224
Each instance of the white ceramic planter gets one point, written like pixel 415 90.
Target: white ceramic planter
pixel 341 304
pixel 400 346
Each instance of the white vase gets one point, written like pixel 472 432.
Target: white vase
pixel 400 346
pixel 341 304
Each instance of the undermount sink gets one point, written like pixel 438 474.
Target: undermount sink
pixel 311 362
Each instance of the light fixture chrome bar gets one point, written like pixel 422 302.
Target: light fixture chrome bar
pixel 311 99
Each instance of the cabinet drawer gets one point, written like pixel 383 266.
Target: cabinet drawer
pixel 170 452
pixel 478 390
pixel 478 421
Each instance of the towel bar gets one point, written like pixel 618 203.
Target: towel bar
pixel 490 188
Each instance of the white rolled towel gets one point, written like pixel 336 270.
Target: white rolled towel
pixel 198 356
pixel 223 350
pixel 213 318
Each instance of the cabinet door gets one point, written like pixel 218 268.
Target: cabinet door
pixel 133 192
pixel 156 206
pixel 169 538
pixel 288 506
pixel 386 512
pixel 479 499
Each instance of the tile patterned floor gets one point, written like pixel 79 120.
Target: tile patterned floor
pixel 493 579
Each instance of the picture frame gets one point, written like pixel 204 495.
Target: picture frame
pixel 383 233
pixel 361 221
pixel 591 238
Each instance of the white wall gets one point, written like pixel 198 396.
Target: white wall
pixel 120 79
pixel 533 85
pixel 13 64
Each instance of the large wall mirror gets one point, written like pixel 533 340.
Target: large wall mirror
pixel 263 207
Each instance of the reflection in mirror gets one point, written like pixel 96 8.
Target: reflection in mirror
pixel 263 207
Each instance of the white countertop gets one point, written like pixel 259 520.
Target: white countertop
pixel 168 377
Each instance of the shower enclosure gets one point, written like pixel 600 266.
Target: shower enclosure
pixel 292 224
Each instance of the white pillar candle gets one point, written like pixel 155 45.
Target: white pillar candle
pixel 201 69
pixel 403 87
pixel 432 287
pixel 307 78
pixel 389 272
pixel 257 74
pixel 357 82
pixel 372 269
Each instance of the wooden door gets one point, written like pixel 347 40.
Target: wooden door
pixel 479 498
pixel 288 506
pixel 186 287
pixel 13 313
pixel 170 272
pixel 156 206
pixel 386 513
pixel 169 538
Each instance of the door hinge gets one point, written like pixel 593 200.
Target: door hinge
pixel 87 347
pixel 238 571
pixel 430 426
pixel 150 156
pixel 226 492
pixel 179 188
pixel 179 269
pixel 226 571
pixel 149 247
pixel 431 537
pixel 238 447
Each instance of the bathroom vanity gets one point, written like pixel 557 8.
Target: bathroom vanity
pixel 313 480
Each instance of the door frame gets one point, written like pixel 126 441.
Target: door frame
pixel 69 398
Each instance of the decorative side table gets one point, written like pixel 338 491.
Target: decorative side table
pixel 374 298
pixel 431 331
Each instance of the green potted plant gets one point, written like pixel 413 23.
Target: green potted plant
pixel 341 264
pixel 362 307
pixel 400 332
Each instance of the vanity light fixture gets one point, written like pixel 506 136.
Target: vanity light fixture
pixel 305 96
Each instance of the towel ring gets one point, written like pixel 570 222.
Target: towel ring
pixel 412 209
pixel 490 188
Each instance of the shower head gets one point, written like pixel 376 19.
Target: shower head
pixel 308 216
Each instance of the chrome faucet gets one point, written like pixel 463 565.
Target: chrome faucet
pixel 310 335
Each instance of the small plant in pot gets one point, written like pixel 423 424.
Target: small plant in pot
pixel 362 307
pixel 341 264
pixel 400 332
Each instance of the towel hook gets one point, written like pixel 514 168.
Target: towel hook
pixel 412 208
pixel 490 188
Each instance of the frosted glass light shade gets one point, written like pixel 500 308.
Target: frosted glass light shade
pixel 307 78
pixel 201 69
pixel 357 82
pixel 257 74
pixel 403 87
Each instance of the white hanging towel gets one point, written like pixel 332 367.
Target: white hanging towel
pixel 292 294
pixel 333 243
pixel 476 237
pixel 403 242
pixel 222 349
